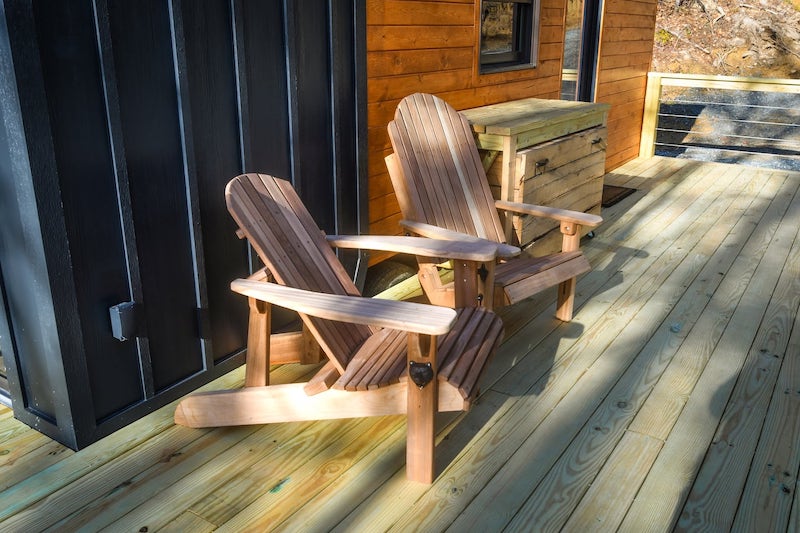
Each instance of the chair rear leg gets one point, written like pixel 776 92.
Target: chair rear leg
pixel 436 292
pixel 258 344
pixel 570 242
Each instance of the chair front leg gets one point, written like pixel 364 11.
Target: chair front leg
pixel 570 242
pixel 474 284
pixel 422 398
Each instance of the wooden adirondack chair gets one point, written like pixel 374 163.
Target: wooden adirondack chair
pixel 372 345
pixel 443 193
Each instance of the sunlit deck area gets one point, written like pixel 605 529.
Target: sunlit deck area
pixel 671 401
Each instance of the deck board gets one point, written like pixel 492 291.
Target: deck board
pixel 745 411
pixel 767 497
pixel 672 401
pixel 688 441
pixel 610 348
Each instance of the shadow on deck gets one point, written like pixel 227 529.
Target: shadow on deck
pixel 672 400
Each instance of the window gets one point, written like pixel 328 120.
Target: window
pixel 581 43
pixel 508 34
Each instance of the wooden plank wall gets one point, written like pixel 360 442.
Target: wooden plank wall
pixel 431 46
pixel 626 49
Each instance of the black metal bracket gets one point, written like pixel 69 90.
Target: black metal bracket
pixel 420 373
pixel 483 272
pixel 124 320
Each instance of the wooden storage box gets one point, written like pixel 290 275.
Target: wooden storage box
pixel 566 173
pixel 544 152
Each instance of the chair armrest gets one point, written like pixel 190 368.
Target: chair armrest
pixel 504 251
pixel 479 250
pixel 562 215
pixel 406 316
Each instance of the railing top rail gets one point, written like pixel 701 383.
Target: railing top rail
pixel 739 83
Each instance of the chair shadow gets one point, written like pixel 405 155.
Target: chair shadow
pixel 524 363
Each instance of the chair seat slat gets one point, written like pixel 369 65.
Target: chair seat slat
pixel 520 268
pixel 462 355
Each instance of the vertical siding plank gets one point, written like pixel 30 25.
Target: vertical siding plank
pixel 151 133
pixel 207 79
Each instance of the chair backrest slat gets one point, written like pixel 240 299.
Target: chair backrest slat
pixel 294 249
pixel 445 183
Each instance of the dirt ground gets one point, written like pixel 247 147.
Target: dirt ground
pixel 729 37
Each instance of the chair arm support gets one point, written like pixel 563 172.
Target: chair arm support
pixel 562 215
pixel 480 251
pixel 262 274
pixel 504 251
pixel 406 316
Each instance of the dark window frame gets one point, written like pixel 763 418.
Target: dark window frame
pixel 525 39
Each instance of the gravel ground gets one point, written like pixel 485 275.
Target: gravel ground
pixel 742 127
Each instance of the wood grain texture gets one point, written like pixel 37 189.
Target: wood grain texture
pixel 573 423
pixel 269 493
pixel 694 427
pixel 767 497
pixel 440 181
pixel 427 46
pixel 626 48
pixel 666 401
pixel 736 438
pixel 406 316
pixel 585 455
pixel 403 45
pixel 478 251
pixel 596 423
pixel 606 500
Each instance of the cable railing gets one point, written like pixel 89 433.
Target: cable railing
pixel 723 118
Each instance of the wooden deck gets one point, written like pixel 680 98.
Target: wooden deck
pixel 671 401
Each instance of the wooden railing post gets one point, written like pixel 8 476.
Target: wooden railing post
pixel 647 146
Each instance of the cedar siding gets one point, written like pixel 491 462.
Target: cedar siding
pixel 626 49
pixel 431 46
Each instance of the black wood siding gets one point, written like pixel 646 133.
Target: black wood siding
pixel 121 123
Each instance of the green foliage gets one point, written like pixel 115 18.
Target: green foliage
pixel 663 36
